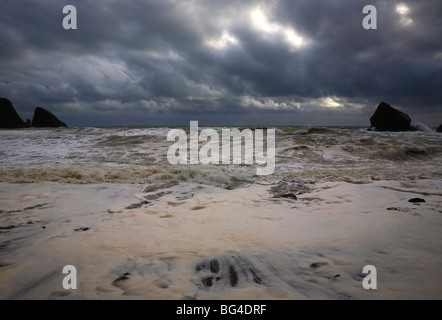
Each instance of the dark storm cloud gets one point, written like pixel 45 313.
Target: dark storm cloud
pixel 160 62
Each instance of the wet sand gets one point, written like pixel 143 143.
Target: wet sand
pixel 190 241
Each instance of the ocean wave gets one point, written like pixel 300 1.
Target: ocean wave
pixel 321 130
pixel 421 127
pixel 394 152
pixel 143 132
pixel 302 131
pixel 95 155
pixel 216 175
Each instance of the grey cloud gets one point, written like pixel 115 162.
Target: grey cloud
pixel 148 62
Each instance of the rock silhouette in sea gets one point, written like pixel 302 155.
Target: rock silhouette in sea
pixel 45 118
pixel 387 118
pixel 9 118
pixel 439 129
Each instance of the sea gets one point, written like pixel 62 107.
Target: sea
pixel 139 155
pixel 106 202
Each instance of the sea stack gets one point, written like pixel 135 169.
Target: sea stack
pixel 9 118
pixel 387 118
pixel 45 118
pixel 439 129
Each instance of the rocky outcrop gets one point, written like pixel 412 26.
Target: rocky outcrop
pixel 439 129
pixel 45 118
pixel 286 196
pixel 387 118
pixel 9 118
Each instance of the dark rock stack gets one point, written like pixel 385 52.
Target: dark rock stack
pixel 9 118
pixel 439 129
pixel 44 118
pixel 387 118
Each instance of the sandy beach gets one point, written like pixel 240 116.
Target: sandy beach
pixel 191 241
pixel 220 150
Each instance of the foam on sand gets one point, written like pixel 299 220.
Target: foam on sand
pixel 204 242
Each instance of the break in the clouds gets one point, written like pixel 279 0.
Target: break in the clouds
pixel 222 62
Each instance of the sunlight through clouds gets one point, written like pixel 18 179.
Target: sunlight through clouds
pixel 404 13
pixel 261 23
pixel 226 40
pixel 248 61
pixel 329 102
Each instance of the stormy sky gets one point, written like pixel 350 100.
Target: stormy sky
pixel 292 62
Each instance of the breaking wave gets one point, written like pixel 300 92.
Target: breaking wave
pixel 139 155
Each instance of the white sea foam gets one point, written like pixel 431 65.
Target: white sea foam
pixel 132 154
pixel 421 127
pixel 203 242
pixel 143 229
